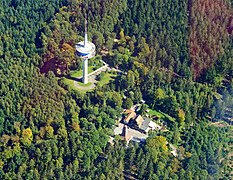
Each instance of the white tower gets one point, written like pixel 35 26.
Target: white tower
pixel 86 50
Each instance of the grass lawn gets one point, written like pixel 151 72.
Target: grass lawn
pixel 79 73
pixel 155 113
pixel 168 117
pixel 160 115
pixel 107 78
pixel 69 83
pixel 84 85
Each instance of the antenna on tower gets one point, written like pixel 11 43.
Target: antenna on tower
pixel 85 37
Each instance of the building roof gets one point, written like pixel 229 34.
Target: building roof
pixel 131 134
pixel 153 125
pixel 131 114
pixel 128 111
pixel 139 120
pixel 126 134
pixel 145 124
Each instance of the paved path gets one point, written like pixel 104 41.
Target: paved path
pixel 86 88
pixel 97 71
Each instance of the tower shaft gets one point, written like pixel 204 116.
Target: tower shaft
pixel 85 70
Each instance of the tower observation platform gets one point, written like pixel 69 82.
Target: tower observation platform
pixel 86 50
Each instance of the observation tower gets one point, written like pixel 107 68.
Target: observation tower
pixel 86 50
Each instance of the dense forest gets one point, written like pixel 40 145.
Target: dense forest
pixel 174 54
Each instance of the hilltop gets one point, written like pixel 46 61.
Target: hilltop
pixel 174 56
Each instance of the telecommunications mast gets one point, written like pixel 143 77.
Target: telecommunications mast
pixel 86 50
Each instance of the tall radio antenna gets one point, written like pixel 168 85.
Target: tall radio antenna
pixel 85 37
